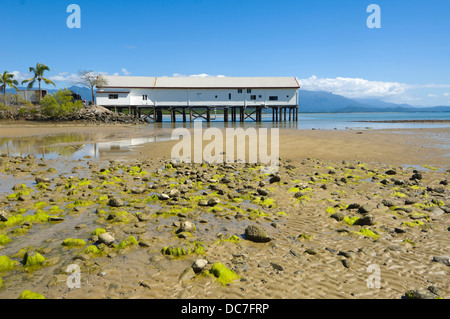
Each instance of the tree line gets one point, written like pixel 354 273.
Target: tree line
pixel 86 78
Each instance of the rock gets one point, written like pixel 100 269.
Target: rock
pixel 311 251
pixel 138 190
pixel 445 260
pixel 213 201
pixel 338 216
pixel 106 238
pixel 164 197
pixel 187 226
pixel 55 219
pixel 199 265
pixel 174 193
pixel 256 234
pixel 145 284
pixel 274 179
pixel 387 202
pixel 277 266
pixel 262 192
pixel 366 220
pixel 390 172
pixel 42 179
pixel 400 230
pixel 365 209
pixel 417 176
pixel 116 202
pixel 436 211
pixel 144 216
pixel 202 202
pixel 353 206
pixel 430 293
pixel 346 263
pixel 3 216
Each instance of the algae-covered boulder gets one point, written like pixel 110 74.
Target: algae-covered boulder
pixel 28 294
pixel 176 251
pixel 6 264
pixel 256 234
pixel 4 240
pixel 129 241
pixel 73 242
pixel 224 275
pixel 32 258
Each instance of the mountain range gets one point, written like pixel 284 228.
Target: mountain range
pixel 317 102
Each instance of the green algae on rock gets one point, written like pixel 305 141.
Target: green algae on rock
pixel 223 274
pixel 28 294
pixel 6 264
pixel 73 242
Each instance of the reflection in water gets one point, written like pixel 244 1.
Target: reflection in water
pixel 72 145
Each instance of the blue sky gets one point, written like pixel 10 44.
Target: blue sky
pixel 326 44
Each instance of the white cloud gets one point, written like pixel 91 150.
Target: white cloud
pixel 125 71
pixel 354 87
pixel 19 76
pixel 446 94
pixel 65 77
pixel 432 95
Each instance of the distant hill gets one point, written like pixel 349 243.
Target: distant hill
pixel 325 102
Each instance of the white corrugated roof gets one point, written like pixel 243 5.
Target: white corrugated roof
pixel 200 82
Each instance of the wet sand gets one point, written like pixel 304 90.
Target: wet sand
pixel 315 251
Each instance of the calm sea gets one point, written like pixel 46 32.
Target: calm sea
pixel 332 121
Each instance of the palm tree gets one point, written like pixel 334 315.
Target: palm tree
pixel 7 79
pixel 38 75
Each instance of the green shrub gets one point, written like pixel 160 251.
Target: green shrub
pixel 59 104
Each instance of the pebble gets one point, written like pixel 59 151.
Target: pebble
pixel 445 260
pixel 199 265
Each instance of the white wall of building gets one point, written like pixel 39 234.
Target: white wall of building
pixel 199 97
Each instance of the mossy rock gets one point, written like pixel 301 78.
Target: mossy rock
pixel 73 242
pixel 94 251
pixel 129 241
pixel 223 274
pixel 368 233
pixel 4 240
pixel 28 294
pixel 176 251
pixel 32 259
pixel 6 264
pixel 98 231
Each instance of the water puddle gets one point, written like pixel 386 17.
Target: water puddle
pixel 73 145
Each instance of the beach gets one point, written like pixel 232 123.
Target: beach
pixel 351 214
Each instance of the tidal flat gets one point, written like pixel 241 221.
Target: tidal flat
pixel 144 227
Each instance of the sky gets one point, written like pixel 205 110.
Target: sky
pixel 326 44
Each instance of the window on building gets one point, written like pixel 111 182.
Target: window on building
pixel 249 90
pixel 252 97
pixel 216 96
pixel 239 90
pixel 229 96
pixel 113 96
pixel 144 97
pixel 273 98
pixel 259 96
